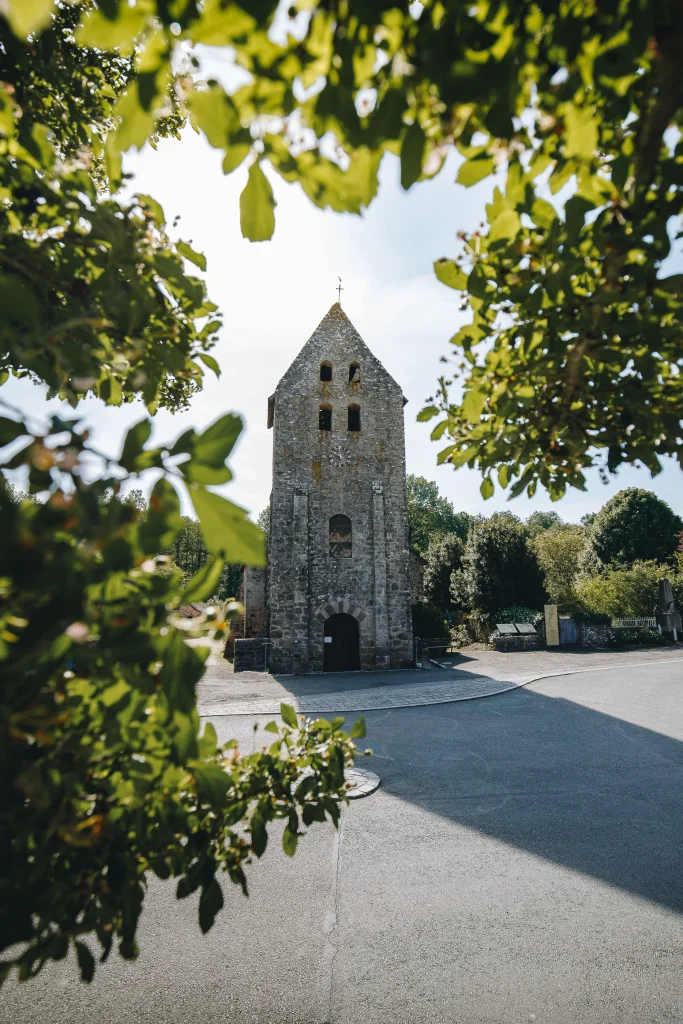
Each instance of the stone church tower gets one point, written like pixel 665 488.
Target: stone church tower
pixel 338 588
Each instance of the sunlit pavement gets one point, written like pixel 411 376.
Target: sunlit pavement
pixel 521 861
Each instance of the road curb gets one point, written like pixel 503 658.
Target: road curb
pixel 404 695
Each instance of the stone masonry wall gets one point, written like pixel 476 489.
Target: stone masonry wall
pixel 251 654
pixel 318 474
pixel 255 612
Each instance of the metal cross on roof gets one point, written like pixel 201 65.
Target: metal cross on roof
pixel 339 289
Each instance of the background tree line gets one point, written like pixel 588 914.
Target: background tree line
pixel 478 570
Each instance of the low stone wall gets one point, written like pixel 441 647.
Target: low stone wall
pixel 511 642
pixel 591 635
pixel 250 655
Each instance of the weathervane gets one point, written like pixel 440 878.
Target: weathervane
pixel 339 289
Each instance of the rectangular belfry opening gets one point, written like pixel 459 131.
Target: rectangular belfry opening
pixel 354 417
pixel 325 417
pixel 326 371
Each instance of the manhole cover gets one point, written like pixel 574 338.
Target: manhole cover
pixel 363 782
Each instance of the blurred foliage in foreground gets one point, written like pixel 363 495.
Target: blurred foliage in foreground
pixel 572 355
pixel 104 773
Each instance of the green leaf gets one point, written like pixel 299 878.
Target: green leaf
pixel 289 842
pixel 214 112
pixel 212 781
pixel 506 225
pixel 475 170
pixel 271 727
pixel 473 405
pixel 182 669
pixel 18 302
pixel 487 488
pixel 208 741
pixel 163 521
pixel 543 213
pixel 358 729
pixel 575 211
pixel 581 133
pixel 215 444
pixel 235 156
pixel 27 17
pixel 86 961
pixel 427 413
pixel 135 440
pixel 210 362
pixel 204 582
pixel 110 391
pixel 10 430
pixel 198 258
pixel 185 740
pixel 449 273
pixel 136 120
pixel 412 154
pixel 226 529
pixel 259 833
pixel 503 476
pixel 210 902
pixel 289 715
pixel 257 205
pixel 105 33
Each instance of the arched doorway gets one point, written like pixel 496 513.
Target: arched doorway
pixel 342 644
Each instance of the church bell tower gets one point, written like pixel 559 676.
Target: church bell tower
pixel 338 577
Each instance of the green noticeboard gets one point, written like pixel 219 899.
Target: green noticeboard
pixel 552 626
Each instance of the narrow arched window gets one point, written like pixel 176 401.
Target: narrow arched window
pixel 326 371
pixel 354 373
pixel 354 417
pixel 325 417
pixel 340 537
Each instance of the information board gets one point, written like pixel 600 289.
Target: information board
pixel 506 627
pixel 552 626
pixel 525 627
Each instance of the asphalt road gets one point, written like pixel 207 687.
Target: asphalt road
pixel 522 861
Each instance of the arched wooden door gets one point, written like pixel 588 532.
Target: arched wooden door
pixel 342 644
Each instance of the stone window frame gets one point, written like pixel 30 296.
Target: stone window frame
pixel 324 367
pixel 325 416
pixel 353 418
pixel 340 536
pixel 354 373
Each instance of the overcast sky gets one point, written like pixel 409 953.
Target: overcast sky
pixel 274 294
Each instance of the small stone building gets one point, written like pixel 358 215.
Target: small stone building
pixel 337 593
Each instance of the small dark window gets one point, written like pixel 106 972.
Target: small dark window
pixel 354 373
pixel 326 371
pixel 354 417
pixel 325 417
pixel 340 537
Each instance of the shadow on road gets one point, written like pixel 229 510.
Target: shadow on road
pixel 570 784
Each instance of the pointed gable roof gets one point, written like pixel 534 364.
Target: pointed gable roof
pixel 335 335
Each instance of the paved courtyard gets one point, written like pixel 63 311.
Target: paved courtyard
pixel 521 861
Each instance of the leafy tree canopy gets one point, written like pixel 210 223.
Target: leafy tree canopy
pixel 634 525
pixel 95 297
pixel 499 569
pixel 444 557
pixel 537 522
pixel 104 773
pixel 430 515
pixel 572 356
pixel 559 551
pixel 626 590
